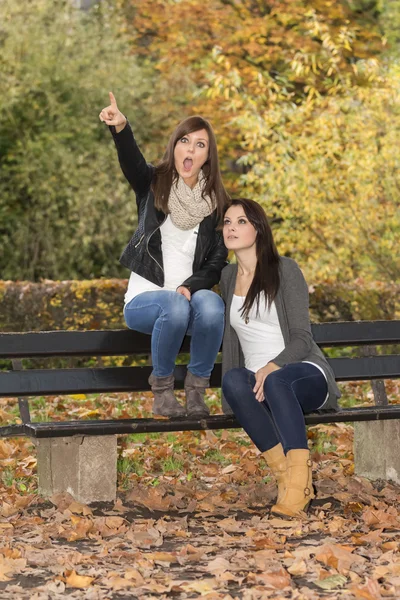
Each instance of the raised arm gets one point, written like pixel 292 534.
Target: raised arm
pixel 133 164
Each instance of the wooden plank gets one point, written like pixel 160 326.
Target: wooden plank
pixel 356 333
pixel 75 343
pixel 13 431
pixel 126 342
pixel 366 368
pixel 124 426
pixel 126 379
pixel 47 382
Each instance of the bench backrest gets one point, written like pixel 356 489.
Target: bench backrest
pixel 17 346
pixel 30 382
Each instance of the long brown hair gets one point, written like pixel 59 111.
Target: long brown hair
pixel 266 276
pixel 166 174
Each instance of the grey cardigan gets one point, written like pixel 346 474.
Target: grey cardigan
pixel 291 304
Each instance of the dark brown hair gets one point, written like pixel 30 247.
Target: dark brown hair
pixel 266 276
pixel 166 174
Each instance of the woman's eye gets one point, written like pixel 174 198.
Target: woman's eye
pixel 184 140
pixel 226 222
pixel 201 144
pixel 242 221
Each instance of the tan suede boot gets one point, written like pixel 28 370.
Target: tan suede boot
pixel 276 460
pixel 299 489
pixel 195 389
pixel 165 403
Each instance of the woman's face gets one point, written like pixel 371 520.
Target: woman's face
pixel 238 232
pixel 190 154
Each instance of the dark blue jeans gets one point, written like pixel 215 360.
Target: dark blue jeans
pixel 168 317
pixel 289 393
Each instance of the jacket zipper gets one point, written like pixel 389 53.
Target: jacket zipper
pixel 147 244
pixel 139 242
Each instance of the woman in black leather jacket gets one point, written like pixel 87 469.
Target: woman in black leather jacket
pixel 175 255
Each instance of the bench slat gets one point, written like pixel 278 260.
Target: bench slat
pixel 126 379
pixel 124 426
pixel 356 333
pixel 74 343
pixel 124 342
pixel 365 368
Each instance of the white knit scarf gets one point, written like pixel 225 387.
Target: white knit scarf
pixel 187 206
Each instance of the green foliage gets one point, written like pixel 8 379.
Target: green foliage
pixel 97 304
pixel 390 23
pixel 94 304
pixel 65 210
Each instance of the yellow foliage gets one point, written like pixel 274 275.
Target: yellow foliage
pixel 329 177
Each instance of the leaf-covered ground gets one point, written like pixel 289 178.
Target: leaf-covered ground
pixel 192 519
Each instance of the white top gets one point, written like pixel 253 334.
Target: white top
pixel 178 248
pixel 261 338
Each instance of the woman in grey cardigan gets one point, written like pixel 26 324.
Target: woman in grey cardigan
pixel 273 370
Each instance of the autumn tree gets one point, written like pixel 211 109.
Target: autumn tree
pixel 304 109
pixel 263 52
pixel 328 175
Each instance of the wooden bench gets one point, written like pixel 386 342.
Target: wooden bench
pixel 70 453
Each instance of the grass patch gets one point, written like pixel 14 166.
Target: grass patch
pixel 355 394
pixel 172 464
pixel 141 438
pixel 126 467
pixel 216 456
pixel 322 442
pixel 40 407
pixel 8 477
pixel 21 484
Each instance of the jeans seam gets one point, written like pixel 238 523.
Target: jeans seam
pixel 158 342
pixel 281 437
pixel 133 308
pixel 290 385
pixel 195 307
pixel 299 379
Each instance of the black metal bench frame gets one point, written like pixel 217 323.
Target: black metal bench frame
pixel 23 383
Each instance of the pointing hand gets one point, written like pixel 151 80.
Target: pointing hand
pixel 111 115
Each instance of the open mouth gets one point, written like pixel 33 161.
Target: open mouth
pixel 188 164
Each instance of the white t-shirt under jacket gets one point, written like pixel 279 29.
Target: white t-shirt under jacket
pixel 178 248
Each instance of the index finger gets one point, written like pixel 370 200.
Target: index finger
pixel 257 386
pixel 112 100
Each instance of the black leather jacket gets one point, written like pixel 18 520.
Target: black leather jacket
pixel 143 254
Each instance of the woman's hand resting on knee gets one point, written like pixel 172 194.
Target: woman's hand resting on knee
pixel 261 376
pixel 184 291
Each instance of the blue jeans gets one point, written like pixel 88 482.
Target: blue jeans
pixel 168 316
pixel 289 393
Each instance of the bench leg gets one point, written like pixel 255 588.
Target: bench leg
pixel 376 449
pixel 84 466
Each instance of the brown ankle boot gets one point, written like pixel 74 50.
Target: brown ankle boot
pixel 276 460
pixel 165 403
pixel 195 388
pixel 299 489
